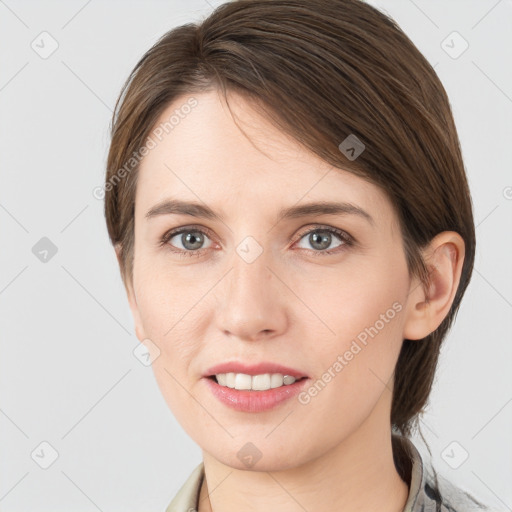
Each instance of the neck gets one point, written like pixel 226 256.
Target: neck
pixel 357 474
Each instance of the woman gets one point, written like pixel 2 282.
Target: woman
pixel 289 207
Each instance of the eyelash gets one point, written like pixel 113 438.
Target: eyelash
pixel 348 241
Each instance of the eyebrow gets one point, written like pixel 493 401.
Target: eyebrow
pixel 178 207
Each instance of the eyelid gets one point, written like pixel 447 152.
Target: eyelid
pixel 171 233
pixel 325 227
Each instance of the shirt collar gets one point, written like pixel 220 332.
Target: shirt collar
pixel 420 498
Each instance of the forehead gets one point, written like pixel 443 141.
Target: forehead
pixel 201 154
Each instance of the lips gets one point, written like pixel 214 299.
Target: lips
pixel 253 369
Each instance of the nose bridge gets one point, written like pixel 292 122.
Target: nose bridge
pixel 249 300
pixel 251 276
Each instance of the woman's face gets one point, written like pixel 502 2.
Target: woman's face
pixel 250 285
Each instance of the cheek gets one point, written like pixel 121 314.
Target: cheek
pixel 168 312
pixel 163 292
pixel 170 319
pixel 363 311
pixel 354 297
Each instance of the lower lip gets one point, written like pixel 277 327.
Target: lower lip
pixel 255 401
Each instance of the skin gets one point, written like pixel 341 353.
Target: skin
pixel 294 305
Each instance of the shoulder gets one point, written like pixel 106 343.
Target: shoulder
pixel 450 497
pixel 428 490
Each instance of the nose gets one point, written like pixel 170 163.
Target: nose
pixel 252 300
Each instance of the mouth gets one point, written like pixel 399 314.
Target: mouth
pixel 260 382
pixel 254 393
pixel 254 386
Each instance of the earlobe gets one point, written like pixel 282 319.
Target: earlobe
pixel 426 309
pixel 134 307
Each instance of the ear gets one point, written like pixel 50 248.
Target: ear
pixel 426 310
pixel 132 299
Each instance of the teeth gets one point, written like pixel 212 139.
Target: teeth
pixel 242 381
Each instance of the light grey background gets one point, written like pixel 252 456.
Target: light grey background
pixel 68 375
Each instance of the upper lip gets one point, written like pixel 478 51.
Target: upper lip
pixel 253 369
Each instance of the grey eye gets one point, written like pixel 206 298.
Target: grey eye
pixel 190 240
pixel 321 239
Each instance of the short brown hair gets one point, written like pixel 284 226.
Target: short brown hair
pixel 321 70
